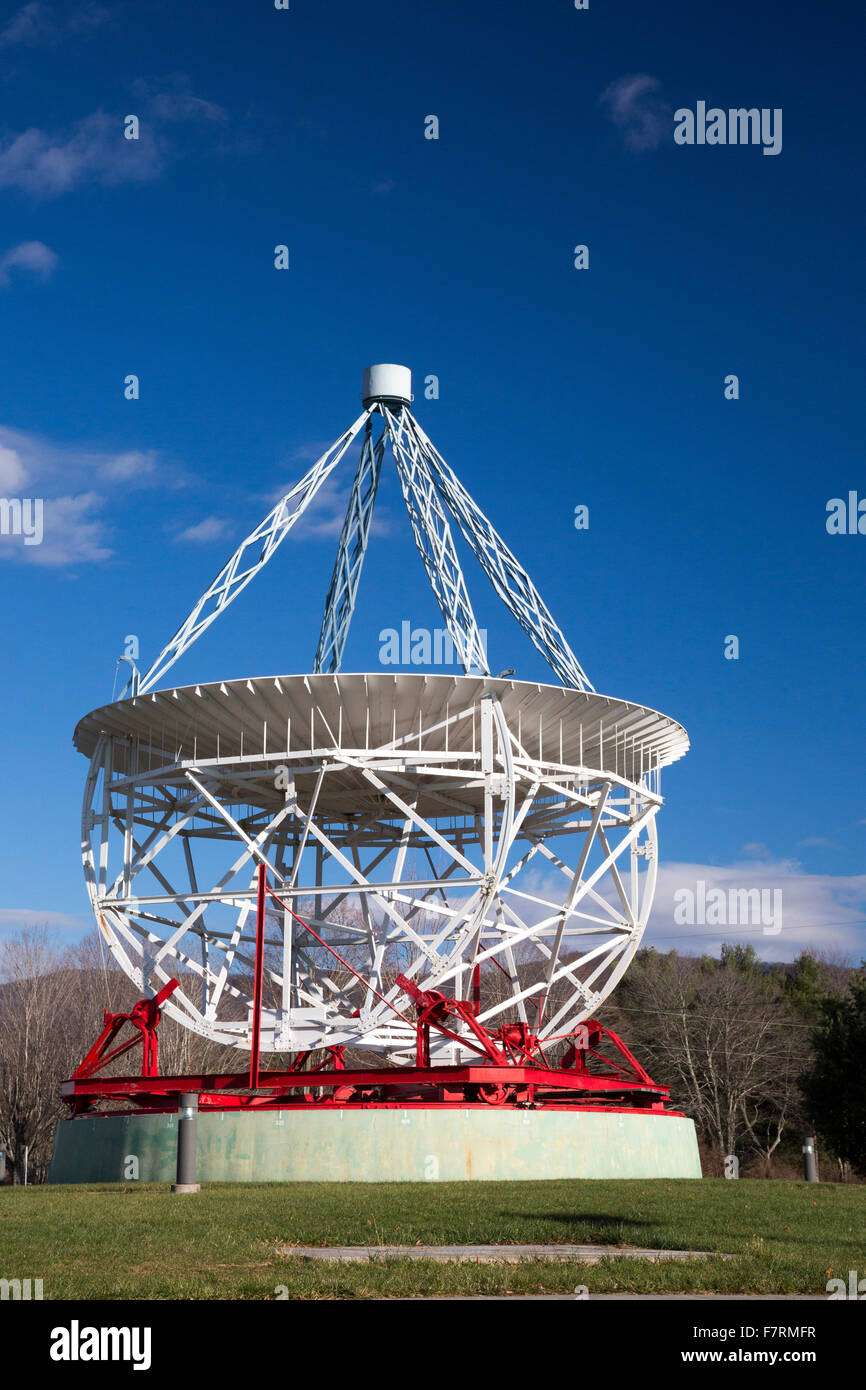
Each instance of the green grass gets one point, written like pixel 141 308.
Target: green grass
pixel 124 1241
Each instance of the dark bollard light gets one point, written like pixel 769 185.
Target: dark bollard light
pixel 187 1143
pixel 810 1160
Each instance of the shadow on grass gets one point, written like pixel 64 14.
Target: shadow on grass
pixel 592 1227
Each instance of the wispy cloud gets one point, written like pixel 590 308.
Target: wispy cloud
pixel 47 164
pixel 324 517
pixel 75 484
pixel 819 912
pixel 74 532
pixel 211 528
pixel 134 466
pixel 70 531
pixel 309 452
pixel 326 513
pixel 13 919
pixel 38 24
pixel 12 472
pixel 32 256
pixel 46 463
pixel 50 163
pixel 169 99
pixel 756 849
pixel 635 106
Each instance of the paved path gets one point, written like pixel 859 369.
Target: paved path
pixel 488 1254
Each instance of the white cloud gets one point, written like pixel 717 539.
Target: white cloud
pixel 40 24
pixel 325 515
pixel 58 531
pixel 75 486
pixel 72 533
pixel 47 164
pixel 12 474
pixel 819 912
pixel 211 528
pixel 823 912
pixel 633 104
pixel 136 464
pixel 33 256
pixel 18 918
pixel 25 25
pixel 309 452
pixel 93 151
pixel 46 463
pixel 170 99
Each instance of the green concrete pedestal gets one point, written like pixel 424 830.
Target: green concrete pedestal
pixel 331 1145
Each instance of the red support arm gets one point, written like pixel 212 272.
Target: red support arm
pixel 144 1016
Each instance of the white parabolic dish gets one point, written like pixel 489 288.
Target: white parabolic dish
pixel 419 823
pixel 465 832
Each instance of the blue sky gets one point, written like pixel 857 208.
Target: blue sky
pixel 557 386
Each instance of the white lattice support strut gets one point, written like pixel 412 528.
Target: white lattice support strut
pixel 242 567
pixel 506 574
pixel 416 825
pixel 435 543
pixel 422 825
pixel 343 590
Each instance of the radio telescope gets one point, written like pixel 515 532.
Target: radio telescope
pixel 446 829
pixel 410 891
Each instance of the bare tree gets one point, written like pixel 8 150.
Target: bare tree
pixel 727 1041
pixel 35 995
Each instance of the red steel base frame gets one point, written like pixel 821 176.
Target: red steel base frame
pixel 588 1079
pixel 512 1069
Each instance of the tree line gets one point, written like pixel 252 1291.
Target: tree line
pixel 757 1055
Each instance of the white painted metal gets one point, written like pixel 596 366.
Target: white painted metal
pixel 251 556
pixel 506 574
pixel 387 382
pixel 343 592
pixel 436 547
pixel 426 482
pixel 419 823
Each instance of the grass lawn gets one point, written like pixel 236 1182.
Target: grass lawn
pixel 127 1241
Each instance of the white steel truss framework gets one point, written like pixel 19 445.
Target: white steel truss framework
pixel 466 842
pixel 465 832
pixel 430 490
pixel 340 603
pixel 251 556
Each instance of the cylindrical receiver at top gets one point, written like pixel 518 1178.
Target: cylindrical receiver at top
pixel 388 383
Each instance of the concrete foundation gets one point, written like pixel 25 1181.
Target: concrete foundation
pixel 380 1145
